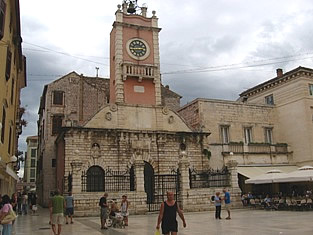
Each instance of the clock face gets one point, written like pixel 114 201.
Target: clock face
pixel 138 48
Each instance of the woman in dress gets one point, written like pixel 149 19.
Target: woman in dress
pixel 124 209
pixel 167 215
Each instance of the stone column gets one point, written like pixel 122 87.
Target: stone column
pixel 234 186
pixel 76 177
pixel 184 179
pixel 140 203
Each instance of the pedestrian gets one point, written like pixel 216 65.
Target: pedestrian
pixel 14 201
pixel 6 227
pixel 103 210
pixel 19 203
pixel 69 201
pixel 218 205
pixel 33 202
pixel 167 216
pixel 56 207
pixel 24 203
pixel 227 202
pixel 124 209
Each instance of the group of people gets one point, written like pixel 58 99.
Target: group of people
pixel 218 200
pixel 118 216
pixel 17 204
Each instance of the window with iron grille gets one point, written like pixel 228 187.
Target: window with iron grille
pixel 8 66
pixel 56 124
pixel 58 97
pixel 2 18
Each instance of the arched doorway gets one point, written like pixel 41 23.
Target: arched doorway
pixel 95 179
pixel 149 182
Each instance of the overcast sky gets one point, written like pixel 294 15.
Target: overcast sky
pixel 209 48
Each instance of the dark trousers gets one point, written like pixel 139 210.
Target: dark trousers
pixel 218 212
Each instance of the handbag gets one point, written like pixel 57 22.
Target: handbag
pixel 11 216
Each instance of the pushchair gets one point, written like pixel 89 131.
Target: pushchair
pixel 116 221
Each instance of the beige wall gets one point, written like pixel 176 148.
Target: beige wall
pixel 293 105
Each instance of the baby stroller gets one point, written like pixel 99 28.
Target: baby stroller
pixel 116 221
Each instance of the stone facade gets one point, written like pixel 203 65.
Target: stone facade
pixel 292 101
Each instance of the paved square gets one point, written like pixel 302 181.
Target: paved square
pixel 256 222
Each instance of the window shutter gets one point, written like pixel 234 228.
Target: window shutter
pixel 2 17
pixel 8 68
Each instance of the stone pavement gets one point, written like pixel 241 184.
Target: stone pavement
pixel 256 222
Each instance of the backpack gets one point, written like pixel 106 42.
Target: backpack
pixel 212 198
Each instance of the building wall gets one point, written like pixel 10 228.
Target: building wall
pixel 293 104
pixel 83 97
pixel 10 93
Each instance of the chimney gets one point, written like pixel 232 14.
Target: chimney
pixel 167 87
pixel 279 73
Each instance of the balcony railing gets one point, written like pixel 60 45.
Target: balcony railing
pixel 255 148
pixel 141 71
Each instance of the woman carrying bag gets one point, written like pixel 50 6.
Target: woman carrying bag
pixel 7 216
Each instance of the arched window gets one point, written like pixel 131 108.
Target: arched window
pixel 95 179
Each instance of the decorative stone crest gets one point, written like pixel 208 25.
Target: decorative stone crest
pixel 113 107
pixel 165 110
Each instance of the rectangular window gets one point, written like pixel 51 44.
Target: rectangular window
pixel 32 173
pixel 56 124
pixel 2 17
pixel 311 89
pixel 269 135
pixel 3 124
pixel 12 92
pixel 269 100
pixel 54 162
pixel 8 66
pixel 33 163
pixel 248 134
pixel 58 97
pixel 33 153
pixel 10 137
pixel 225 134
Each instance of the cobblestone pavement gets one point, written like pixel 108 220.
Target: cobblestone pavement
pixel 243 222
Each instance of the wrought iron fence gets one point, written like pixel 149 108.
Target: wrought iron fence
pixel 209 178
pixel 108 180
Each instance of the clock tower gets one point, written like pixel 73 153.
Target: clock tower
pixel 134 57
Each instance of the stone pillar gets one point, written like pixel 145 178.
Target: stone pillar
pixel 76 177
pixel 184 178
pixel 140 200
pixel 234 186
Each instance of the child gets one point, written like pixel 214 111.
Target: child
pixel 124 209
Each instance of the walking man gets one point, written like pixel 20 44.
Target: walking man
pixel 56 207
pixel 69 201
pixel 104 210
pixel 167 215
pixel 227 202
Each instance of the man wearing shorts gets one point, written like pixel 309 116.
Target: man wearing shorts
pixel 56 207
pixel 103 210
pixel 227 202
pixel 69 207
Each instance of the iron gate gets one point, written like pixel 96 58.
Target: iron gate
pixel 156 187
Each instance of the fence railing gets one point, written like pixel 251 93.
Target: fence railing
pixel 209 178
pixel 108 181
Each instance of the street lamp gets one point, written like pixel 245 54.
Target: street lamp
pixel 13 159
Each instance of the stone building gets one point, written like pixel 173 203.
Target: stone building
pixel 30 163
pixel 136 144
pixel 12 80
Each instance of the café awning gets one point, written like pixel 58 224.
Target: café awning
pixel 267 178
pixel 253 171
pixel 303 174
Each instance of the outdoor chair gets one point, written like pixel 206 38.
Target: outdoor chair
pixel 309 203
pixel 282 204
pixel 258 203
pixel 303 204
pixel 252 203
pixel 290 204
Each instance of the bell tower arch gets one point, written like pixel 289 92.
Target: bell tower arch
pixel 134 57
